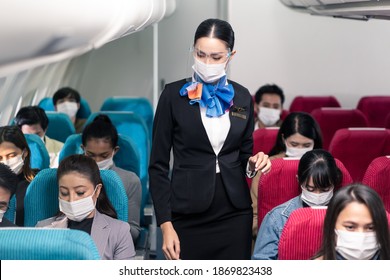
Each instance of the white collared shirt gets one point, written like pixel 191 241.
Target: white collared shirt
pixel 217 129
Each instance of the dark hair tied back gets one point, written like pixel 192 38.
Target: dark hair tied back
pixel 88 168
pixel 102 118
pixel 216 28
pixel 100 127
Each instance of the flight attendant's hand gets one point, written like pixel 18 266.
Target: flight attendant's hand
pixel 171 243
pixel 259 161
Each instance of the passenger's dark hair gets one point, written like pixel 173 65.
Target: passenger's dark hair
pixel 88 168
pixel 66 92
pixel 319 165
pixel 100 127
pixel 271 89
pixel 361 194
pixel 216 28
pixel 31 115
pixel 14 135
pixel 8 179
pixel 297 122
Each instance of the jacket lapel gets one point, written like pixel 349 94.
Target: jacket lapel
pixel 238 115
pixel 100 232
pixel 198 124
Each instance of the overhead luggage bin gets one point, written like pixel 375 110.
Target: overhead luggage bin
pixel 38 32
pixel 351 9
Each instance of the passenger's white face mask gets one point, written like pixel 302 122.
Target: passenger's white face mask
pixel 356 245
pixel 296 152
pixel 106 164
pixel 78 210
pixel 316 199
pixel 2 212
pixel 268 116
pixel 209 72
pixel 69 108
pixel 15 163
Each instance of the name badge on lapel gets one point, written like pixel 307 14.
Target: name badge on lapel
pixel 239 112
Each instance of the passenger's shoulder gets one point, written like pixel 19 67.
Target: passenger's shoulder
pixel 125 174
pixel 281 207
pixel 57 143
pixel 123 171
pixel 277 209
pixel 115 223
pixel 53 141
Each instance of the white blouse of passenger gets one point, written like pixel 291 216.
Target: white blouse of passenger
pixel 217 129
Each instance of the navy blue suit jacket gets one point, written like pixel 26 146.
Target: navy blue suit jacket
pixel 178 125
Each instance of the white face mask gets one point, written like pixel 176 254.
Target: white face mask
pixel 356 245
pixel 2 212
pixel 268 116
pixel 316 199
pixel 69 108
pixel 296 152
pixel 209 72
pixel 78 210
pixel 15 163
pixel 106 164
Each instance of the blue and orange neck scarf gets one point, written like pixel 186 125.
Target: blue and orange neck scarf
pixel 216 98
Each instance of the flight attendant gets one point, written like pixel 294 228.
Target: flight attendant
pixel 204 206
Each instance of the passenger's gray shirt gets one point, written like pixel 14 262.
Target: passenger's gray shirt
pixel 133 189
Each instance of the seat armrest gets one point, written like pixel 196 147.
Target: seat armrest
pixel 148 214
pixel 142 246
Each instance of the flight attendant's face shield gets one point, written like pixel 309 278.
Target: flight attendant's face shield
pixel 209 66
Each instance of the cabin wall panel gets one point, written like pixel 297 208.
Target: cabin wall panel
pixel 309 55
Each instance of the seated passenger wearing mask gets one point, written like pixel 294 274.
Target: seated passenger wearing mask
pixel 15 153
pixel 269 101
pixel 356 226
pixel 317 175
pixel 8 183
pixel 33 120
pixel 67 100
pixel 298 134
pixel 84 205
pixel 100 142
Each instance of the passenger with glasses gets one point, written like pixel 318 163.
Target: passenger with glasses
pixel 8 182
pixel 317 176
